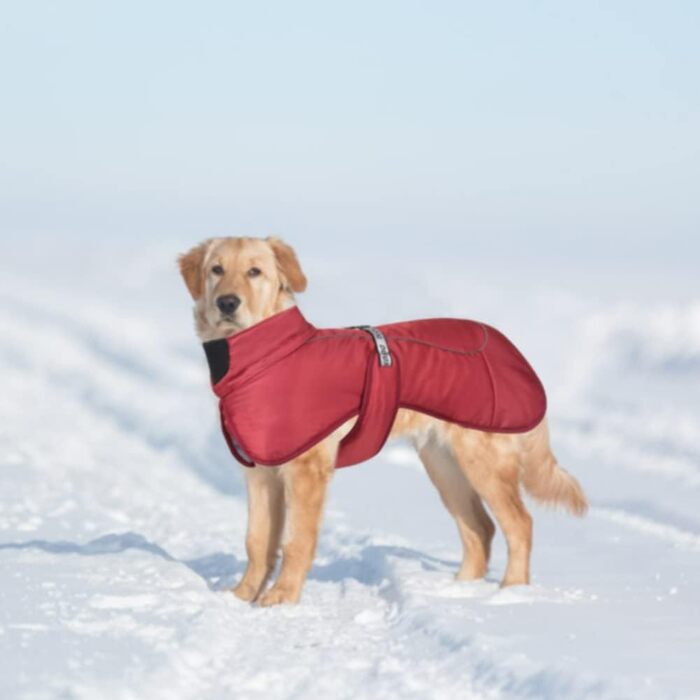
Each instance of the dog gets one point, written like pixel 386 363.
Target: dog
pixel 238 282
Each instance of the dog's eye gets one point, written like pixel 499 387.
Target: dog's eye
pixel 217 270
pixel 254 272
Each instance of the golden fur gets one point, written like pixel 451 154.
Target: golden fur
pixel 469 468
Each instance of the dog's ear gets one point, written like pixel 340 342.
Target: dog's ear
pixel 288 264
pixel 190 264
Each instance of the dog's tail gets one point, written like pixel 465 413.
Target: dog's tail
pixel 544 479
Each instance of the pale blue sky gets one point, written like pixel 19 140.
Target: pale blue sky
pixel 522 127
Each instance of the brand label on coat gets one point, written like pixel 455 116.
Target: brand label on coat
pixel 380 343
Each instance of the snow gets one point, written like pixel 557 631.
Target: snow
pixel 122 516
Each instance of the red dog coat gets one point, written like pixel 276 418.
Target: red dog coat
pixel 284 385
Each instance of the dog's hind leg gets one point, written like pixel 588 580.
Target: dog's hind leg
pixel 492 464
pixel 476 528
pixel 265 522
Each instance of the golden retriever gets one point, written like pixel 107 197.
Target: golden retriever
pixel 237 282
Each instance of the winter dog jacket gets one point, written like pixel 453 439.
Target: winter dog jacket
pixel 284 385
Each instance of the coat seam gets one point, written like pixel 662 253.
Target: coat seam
pixel 418 341
pixel 494 392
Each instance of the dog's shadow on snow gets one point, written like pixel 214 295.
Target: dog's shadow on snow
pixel 371 565
pixel 221 570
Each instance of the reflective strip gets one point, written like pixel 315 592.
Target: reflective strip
pixel 380 343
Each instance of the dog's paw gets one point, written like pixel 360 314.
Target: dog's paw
pixel 245 592
pixel 510 580
pixel 278 596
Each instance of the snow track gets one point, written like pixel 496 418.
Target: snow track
pixel 122 522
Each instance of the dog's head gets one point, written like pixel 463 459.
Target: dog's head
pixel 238 282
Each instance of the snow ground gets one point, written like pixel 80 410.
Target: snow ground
pixel 122 516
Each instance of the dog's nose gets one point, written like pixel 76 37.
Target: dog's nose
pixel 228 303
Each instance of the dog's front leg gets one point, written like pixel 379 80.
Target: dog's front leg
pixel 265 521
pixel 305 483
